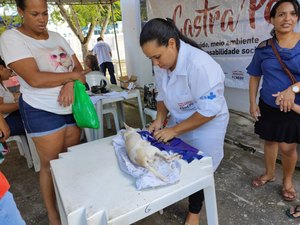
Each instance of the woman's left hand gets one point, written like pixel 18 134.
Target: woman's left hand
pixel 66 95
pixel 285 99
pixel 165 134
pixel 16 96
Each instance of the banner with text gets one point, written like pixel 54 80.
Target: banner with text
pixel 229 30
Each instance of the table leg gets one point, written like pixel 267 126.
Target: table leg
pixel 121 113
pixel 141 109
pixel 211 204
pixel 99 133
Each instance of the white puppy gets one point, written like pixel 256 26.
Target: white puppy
pixel 141 152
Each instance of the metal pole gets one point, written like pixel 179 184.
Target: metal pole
pixel 117 46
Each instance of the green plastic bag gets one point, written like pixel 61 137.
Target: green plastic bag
pixel 83 108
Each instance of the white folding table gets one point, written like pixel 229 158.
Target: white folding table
pixel 92 190
pixel 135 93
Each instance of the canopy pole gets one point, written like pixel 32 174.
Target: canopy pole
pixel 117 46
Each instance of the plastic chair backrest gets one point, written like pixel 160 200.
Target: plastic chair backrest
pixel 93 78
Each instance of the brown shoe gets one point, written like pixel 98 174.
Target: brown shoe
pixel 259 181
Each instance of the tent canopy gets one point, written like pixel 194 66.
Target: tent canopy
pixel 70 2
pixel 82 1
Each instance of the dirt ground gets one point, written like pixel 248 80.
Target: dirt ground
pixel 25 182
pixel 238 203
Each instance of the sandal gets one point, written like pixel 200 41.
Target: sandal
pixel 292 211
pixel 259 181
pixel 289 194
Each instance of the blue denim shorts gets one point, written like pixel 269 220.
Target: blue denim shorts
pixel 39 123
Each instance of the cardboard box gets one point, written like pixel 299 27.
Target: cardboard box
pixel 126 81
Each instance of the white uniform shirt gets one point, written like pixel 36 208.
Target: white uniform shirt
pixel 102 50
pixel 7 96
pixel 51 55
pixel 196 85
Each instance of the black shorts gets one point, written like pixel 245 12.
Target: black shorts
pixel 275 125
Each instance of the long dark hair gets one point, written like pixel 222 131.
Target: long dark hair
pixel 2 63
pixel 94 62
pixel 162 30
pixel 296 5
pixel 21 4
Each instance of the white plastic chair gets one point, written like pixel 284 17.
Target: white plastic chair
pixel 23 147
pixel 150 112
pixel 35 157
pixel 27 149
pixel 94 78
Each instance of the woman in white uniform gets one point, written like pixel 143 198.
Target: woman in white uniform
pixel 190 87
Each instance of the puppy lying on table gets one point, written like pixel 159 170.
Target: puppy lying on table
pixel 142 153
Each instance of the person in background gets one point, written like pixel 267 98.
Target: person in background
pixel 46 67
pixel 9 105
pixel 103 53
pixel 292 212
pixel 91 64
pixel 9 213
pixel 276 124
pixel 190 87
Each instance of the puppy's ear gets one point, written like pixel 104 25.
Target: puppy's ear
pixel 126 126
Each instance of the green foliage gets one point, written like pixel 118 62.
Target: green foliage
pixel 77 16
pixel 10 17
pixel 144 16
pixel 85 14
pixel 55 15
pixel 117 11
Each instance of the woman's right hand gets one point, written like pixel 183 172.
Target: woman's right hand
pixel 154 126
pixel 80 76
pixel 66 95
pixel 4 129
pixel 16 96
pixel 254 111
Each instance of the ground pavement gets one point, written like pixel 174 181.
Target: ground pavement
pixel 238 203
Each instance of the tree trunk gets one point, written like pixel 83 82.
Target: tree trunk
pixel 105 22
pixel 85 50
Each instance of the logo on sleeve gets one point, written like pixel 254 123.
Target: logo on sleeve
pixel 211 96
pixel 188 105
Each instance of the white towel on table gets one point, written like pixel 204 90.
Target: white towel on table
pixel 144 178
pixel 113 94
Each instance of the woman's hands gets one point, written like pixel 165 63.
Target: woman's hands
pixel 80 76
pixel 4 128
pixel 155 126
pixel 285 99
pixel 165 134
pixel 254 111
pixel 16 96
pixel 160 133
pixel 66 95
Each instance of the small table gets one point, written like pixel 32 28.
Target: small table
pixel 135 93
pixel 91 189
